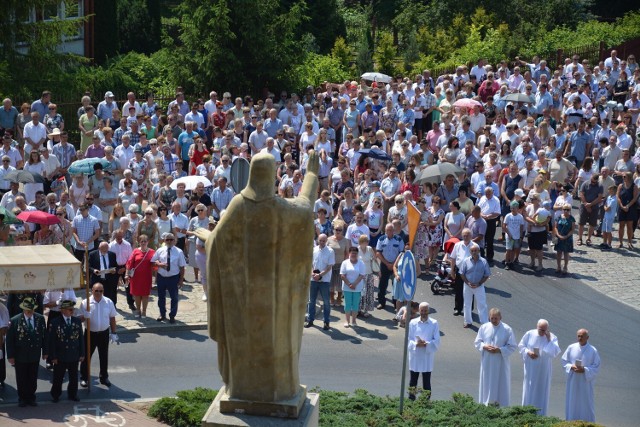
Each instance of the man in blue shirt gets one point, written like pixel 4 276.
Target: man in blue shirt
pixel 475 272
pixel 8 116
pixel 580 143
pixel 185 141
pixel 42 105
pixel 387 250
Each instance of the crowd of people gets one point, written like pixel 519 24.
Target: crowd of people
pixel 521 161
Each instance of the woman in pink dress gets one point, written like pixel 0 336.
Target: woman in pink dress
pixel 140 274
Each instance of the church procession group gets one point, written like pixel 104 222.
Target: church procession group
pixel 128 212
pixel 496 343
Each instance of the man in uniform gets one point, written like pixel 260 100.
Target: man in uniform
pixel 388 248
pixel 66 350
pixel 26 343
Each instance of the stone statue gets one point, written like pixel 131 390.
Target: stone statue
pixel 258 265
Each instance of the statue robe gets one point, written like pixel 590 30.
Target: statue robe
pixel 259 259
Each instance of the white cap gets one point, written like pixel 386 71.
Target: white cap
pixel 108 94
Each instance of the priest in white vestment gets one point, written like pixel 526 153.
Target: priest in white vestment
pixel 581 362
pixel 538 347
pixel 424 340
pixel 495 342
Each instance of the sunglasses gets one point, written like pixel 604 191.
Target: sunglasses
pixel 98 291
pixel 337 229
pixel 148 213
pixel 168 240
pixel 567 210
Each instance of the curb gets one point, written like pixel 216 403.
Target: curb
pixel 159 328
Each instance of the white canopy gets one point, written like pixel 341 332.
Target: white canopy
pixel 33 268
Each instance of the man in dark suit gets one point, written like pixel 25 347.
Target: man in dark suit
pixel 66 350
pixel 26 342
pixel 101 260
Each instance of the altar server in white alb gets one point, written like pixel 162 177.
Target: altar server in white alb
pixel 424 341
pixel 495 342
pixel 538 348
pixel 581 362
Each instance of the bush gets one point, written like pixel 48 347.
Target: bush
pixel 186 410
pixel 367 410
pixel 314 69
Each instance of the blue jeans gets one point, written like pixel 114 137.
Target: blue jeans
pixel 168 284
pixel 323 288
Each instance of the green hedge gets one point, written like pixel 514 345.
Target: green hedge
pixel 363 409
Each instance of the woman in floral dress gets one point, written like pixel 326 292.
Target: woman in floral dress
pixel 140 172
pixel 421 245
pixel 435 229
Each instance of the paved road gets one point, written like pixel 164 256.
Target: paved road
pixel 160 363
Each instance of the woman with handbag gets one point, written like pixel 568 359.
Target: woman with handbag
pixel 372 269
pixel 140 273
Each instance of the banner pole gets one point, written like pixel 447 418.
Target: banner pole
pixel 88 331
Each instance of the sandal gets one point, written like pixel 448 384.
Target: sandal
pixel 588 242
pixel 580 242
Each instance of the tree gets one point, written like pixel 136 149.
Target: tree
pixel 236 46
pixel 138 25
pixel 364 61
pixel 105 45
pixel 410 53
pixel 30 33
pixel 324 22
pixel 385 54
pixel 342 53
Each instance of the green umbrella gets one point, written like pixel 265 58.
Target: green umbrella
pixel 9 218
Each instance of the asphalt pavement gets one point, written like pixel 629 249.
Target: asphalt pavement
pixel 156 359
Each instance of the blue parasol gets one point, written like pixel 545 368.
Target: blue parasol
pixel 85 166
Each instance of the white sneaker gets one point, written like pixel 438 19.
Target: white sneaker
pixel 204 297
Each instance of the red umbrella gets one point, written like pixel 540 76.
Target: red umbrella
pixel 38 217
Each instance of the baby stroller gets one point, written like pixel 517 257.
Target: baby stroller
pixel 443 278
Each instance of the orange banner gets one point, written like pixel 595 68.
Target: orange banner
pixel 413 219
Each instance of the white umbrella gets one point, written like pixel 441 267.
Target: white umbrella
pixel 518 97
pixel 376 77
pixel 191 181
pixel 435 173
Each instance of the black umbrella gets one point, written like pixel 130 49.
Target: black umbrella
pixel 375 153
pixel 23 176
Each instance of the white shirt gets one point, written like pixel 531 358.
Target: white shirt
pixel 460 252
pixel 323 258
pixel 179 221
pixel 174 256
pixel 100 314
pixel 35 132
pixel 122 250
pixel 57 296
pixel 124 155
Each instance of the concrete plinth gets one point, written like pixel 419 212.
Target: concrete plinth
pixel 309 415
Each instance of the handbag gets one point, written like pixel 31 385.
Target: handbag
pixel 132 271
pixel 375 265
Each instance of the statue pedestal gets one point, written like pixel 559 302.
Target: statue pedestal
pixel 263 414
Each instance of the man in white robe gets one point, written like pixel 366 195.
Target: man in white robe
pixel 495 342
pixel 581 362
pixel 424 341
pixel 538 347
